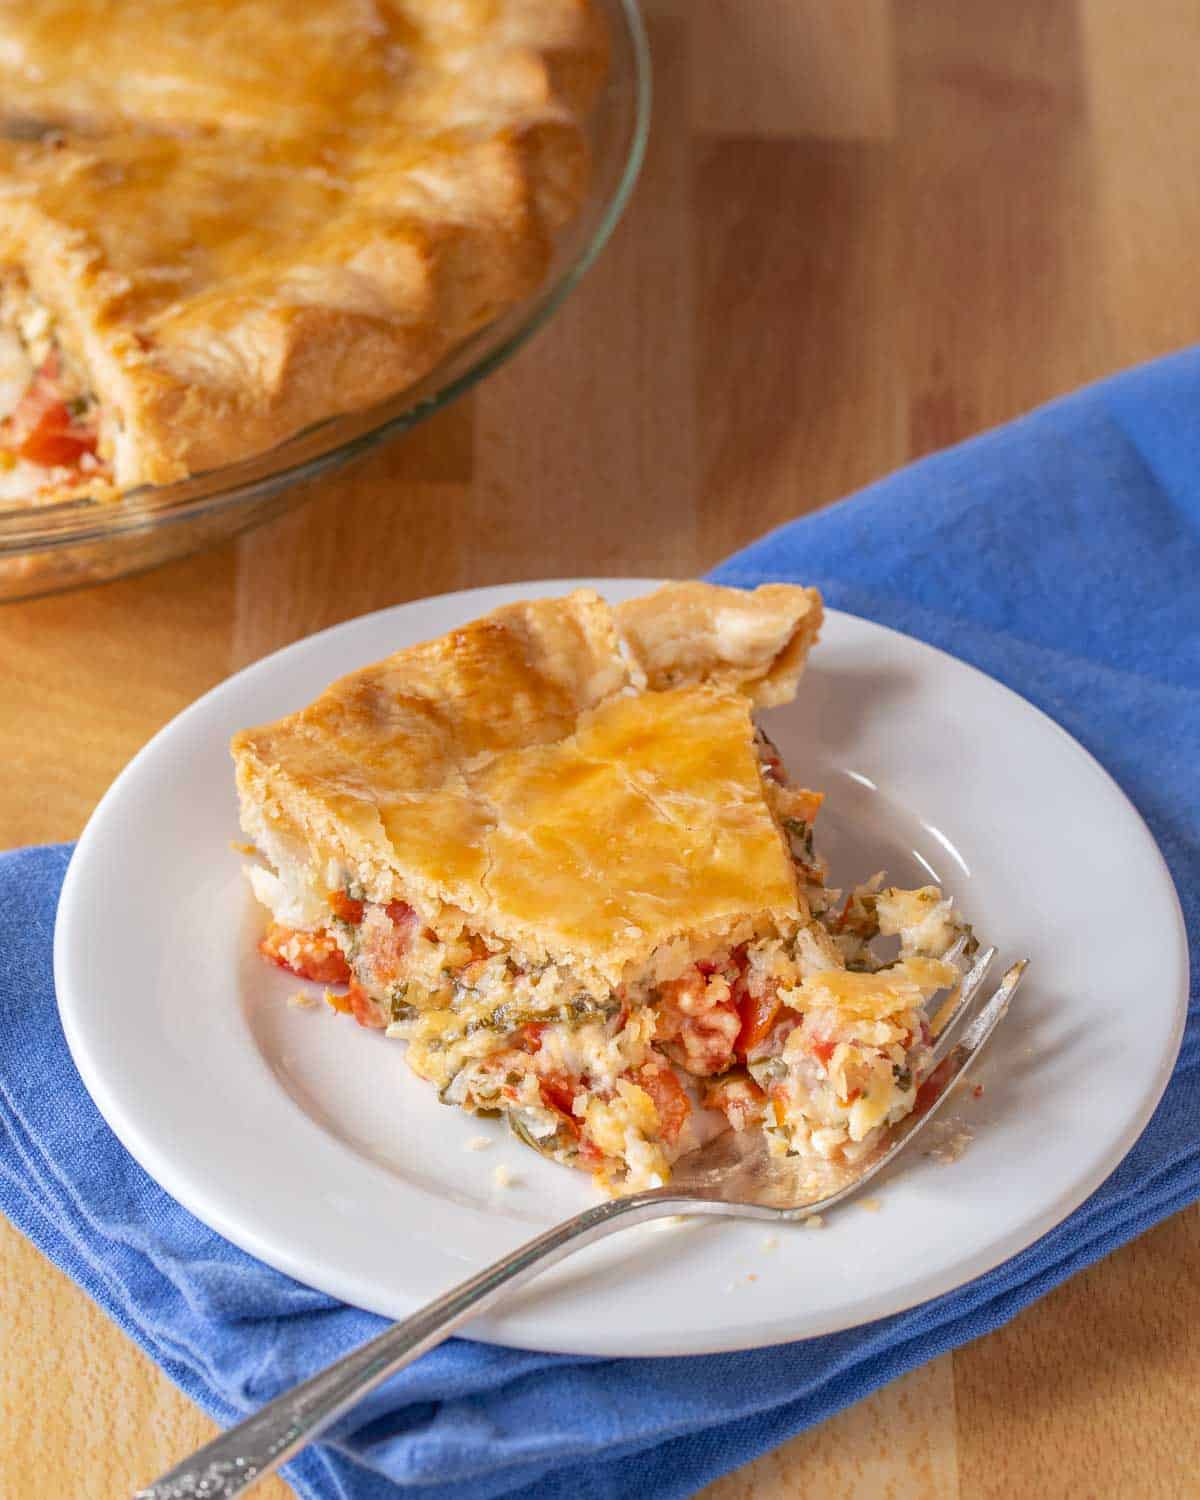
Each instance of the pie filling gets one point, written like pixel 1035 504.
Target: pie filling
pixel 49 420
pixel 803 1033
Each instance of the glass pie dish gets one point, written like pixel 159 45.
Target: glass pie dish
pixel 77 542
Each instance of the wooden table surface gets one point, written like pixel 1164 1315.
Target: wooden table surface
pixel 866 228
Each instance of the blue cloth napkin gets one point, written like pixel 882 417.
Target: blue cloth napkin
pixel 1062 555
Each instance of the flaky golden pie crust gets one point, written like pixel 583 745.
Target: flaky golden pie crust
pixel 557 771
pixel 243 216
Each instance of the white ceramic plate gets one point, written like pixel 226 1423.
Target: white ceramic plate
pixel 305 1139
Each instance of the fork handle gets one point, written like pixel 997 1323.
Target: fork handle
pixel 242 1455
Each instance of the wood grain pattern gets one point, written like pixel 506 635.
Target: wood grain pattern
pixel 84 1414
pixel 793 67
pixel 1139 72
pixel 866 228
pixel 795 408
pixel 604 468
pixel 998 244
pixel 901 1444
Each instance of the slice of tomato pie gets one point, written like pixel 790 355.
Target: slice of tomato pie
pixel 553 853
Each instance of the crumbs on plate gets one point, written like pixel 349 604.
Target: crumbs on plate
pixel 950 1139
pixel 478 1143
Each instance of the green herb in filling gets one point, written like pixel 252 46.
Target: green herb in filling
pixel 401 1010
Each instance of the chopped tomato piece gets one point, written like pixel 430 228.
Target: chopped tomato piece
pixel 384 937
pixel 685 996
pixel 357 1003
pixel 758 1013
pixel 345 908
pixel 365 1010
pixel 668 1097
pixel 590 1155
pixel 698 1015
pixel 42 428
pixel 932 1086
pixel 823 1051
pixel 531 1035
pixel 310 955
pixel 738 1098
pixel 558 1093
pixel 55 443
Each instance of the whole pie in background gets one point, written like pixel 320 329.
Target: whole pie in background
pixel 224 220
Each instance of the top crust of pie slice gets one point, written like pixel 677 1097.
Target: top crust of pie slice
pixel 251 216
pixel 556 772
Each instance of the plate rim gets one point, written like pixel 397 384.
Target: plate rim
pixel 765 1333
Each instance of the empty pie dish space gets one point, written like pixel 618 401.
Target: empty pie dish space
pixel 191 469
pixel 307 1141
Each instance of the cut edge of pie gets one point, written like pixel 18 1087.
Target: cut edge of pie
pixel 552 852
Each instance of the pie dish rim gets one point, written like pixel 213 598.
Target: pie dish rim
pixel 76 542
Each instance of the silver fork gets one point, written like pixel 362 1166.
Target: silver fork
pixel 733 1175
